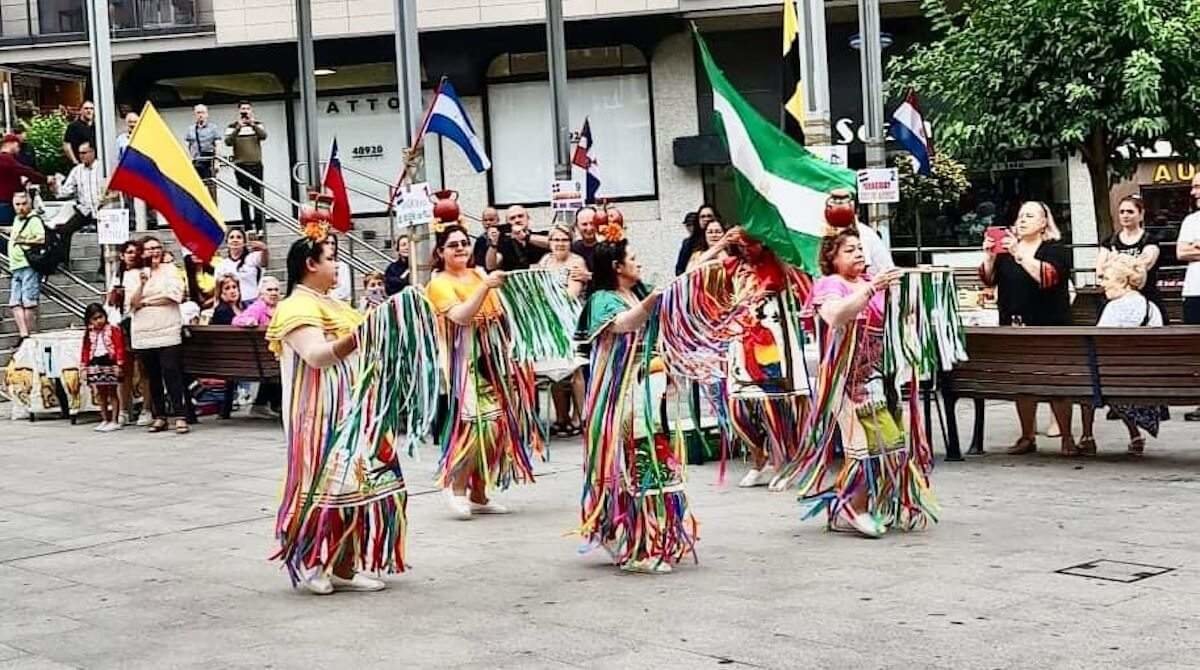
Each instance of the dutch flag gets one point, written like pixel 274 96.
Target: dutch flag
pixel 908 127
pixel 448 118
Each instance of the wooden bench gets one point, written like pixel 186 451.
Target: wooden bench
pixel 229 353
pixel 1146 366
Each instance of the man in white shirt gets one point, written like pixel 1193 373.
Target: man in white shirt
pixel 1187 250
pixel 86 184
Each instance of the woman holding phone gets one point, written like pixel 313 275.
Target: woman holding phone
pixel 1029 268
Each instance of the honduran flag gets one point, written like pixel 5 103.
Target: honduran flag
pixel 446 117
pixel 156 169
pixel 908 127
pixel 334 184
pixel 583 158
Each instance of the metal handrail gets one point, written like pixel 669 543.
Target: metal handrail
pixel 55 293
pixel 287 221
pixel 297 175
pixel 361 243
pixel 62 270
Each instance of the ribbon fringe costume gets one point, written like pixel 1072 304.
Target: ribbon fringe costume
pixel 493 427
pixel 633 502
pixel 878 460
pixel 344 495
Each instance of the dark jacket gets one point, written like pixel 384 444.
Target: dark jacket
pixel 397 276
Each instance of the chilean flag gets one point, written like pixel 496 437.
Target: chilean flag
pixel 584 160
pixel 908 127
pixel 335 184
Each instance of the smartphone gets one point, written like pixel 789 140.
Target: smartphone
pixel 505 229
pixel 997 235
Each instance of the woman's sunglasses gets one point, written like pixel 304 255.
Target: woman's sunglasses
pixel 460 244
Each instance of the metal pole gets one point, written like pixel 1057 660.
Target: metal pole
pixel 408 81
pixel 8 127
pixel 871 53
pixel 103 98
pixel 308 93
pixel 815 61
pixel 556 59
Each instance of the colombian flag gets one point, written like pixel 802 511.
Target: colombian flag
pixel 156 169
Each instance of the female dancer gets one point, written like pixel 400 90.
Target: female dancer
pixel 633 498
pixel 343 510
pixel 880 483
pixel 492 427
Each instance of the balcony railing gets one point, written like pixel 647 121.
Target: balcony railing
pixel 37 21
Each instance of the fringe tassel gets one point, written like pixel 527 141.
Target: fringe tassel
pixel 541 315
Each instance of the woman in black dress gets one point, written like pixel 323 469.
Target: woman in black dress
pixel 1029 270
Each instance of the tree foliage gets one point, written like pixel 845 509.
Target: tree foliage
pixel 1105 78
pixel 45 135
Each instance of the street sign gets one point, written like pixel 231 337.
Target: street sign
pixel 832 154
pixel 412 205
pixel 566 196
pixel 878 186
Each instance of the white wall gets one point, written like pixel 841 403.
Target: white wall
pixel 276 168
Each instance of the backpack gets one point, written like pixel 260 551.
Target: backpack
pixel 45 258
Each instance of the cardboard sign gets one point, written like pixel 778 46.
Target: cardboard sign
pixel 878 186
pixel 112 226
pixel 566 196
pixel 412 205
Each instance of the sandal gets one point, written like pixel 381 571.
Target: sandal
pixel 558 430
pixel 181 427
pixel 1086 446
pixel 1025 445
pixel 1137 446
pixel 574 429
pixel 1069 449
pixel 158 426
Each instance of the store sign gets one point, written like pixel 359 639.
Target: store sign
pixel 848 131
pixel 878 186
pixel 1169 173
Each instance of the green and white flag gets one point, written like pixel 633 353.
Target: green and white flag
pixel 781 186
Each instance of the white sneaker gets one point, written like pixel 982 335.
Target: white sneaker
pixel 866 525
pixel 755 477
pixel 318 585
pixel 647 566
pixel 488 508
pixel 101 427
pixel 115 425
pixel 360 582
pixel 145 419
pixel 459 505
pixel 262 412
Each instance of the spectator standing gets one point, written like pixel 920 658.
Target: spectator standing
pixel 691 222
pixel 1029 270
pixel 202 139
pixel 131 121
pixel 342 290
pixel 129 258
pixel 25 286
pixel 25 153
pixel 490 219
pixel 399 274
pixel 374 292
pixel 1132 239
pixel 1187 249
pixel 587 222
pixel 12 171
pixel 244 260
pixel 153 295
pixel 246 135
pixel 259 313
pixel 82 129
pixel 102 358
pixel 229 301
pixel 710 242
pixel 520 249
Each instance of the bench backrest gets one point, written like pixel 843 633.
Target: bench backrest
pixel 1123 365
pixel 228 352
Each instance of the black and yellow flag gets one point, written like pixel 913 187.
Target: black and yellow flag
pixel 793 93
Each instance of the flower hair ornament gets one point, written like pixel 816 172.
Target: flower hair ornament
pixel 316 231
pixel 612 232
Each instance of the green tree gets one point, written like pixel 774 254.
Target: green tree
pixel 45 135
pixel 1105 78
pixel 941 188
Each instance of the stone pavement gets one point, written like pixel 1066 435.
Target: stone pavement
pixel 149 551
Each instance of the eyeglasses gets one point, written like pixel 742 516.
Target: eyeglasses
pixel 460 244
pixel 152 248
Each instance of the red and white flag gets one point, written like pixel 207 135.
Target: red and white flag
pixel 334 184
